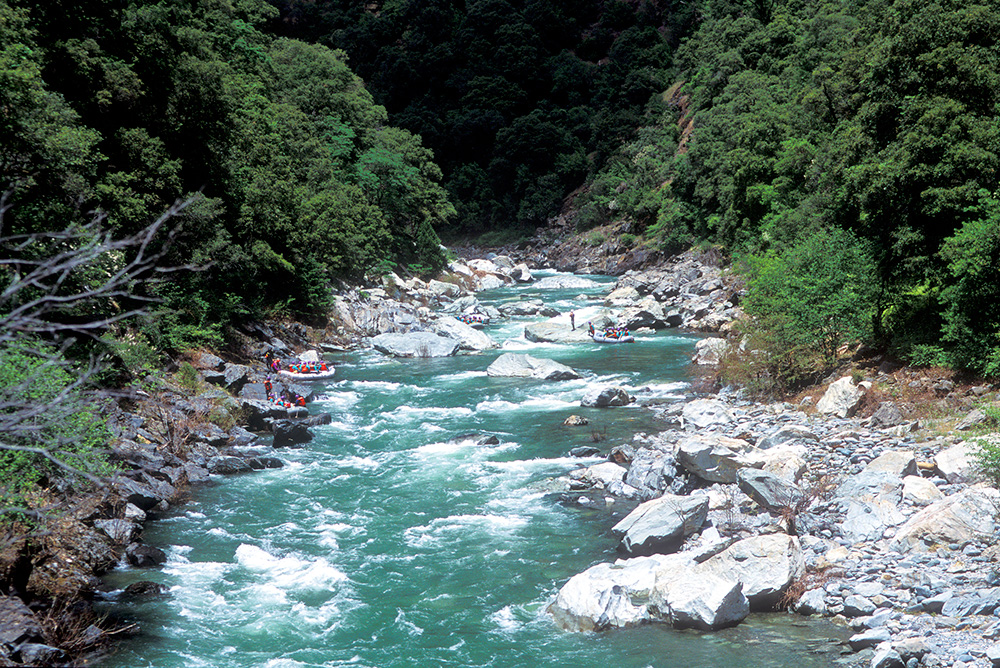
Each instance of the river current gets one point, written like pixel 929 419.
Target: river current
pixel 393 539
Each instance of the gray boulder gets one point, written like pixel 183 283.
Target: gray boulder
pixel 225 465
pixel 141 555
pixel 469 338
pixel 969 515
pixel 415 344
pixel 661 525
pixel 768 490
pixel 765 565
pixel 896 462
pixel 516 365
pixel 956 464
pixel 236 376
pixel 17 623
pixel 652 473
pixel 612 595
pixel 842 397
pixel 868 518
pixel 603 397
pixel 290 432
pixel 709 351
pixel 703 601
pixel 887 415
pixel 555 332
pixel 785 434
pixel 712 457
pixel 121 532
pixel 705 413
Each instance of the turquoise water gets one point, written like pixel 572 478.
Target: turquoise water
pixel 393 539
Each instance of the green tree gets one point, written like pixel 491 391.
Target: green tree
pixel 805 303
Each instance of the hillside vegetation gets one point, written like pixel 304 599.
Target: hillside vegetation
pixel 323 139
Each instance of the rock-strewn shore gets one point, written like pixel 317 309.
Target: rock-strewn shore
pixel 875 522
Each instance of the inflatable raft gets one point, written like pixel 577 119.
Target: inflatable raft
pixel 477 320
pixel 305 371
pixel 610 337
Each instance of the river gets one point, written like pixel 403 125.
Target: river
pixel 393 539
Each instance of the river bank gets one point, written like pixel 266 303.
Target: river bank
pixel 395 307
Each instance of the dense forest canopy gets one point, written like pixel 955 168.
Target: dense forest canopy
pixel 120 108
pixel 325 139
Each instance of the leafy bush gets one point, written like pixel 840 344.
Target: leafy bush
pixel 805 303
pixel 187 377
pixel 50 421
pixel 972 300
pixel 987 452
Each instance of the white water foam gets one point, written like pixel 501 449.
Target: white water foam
pixel 441 529
pixel 418 414
pixel 532 404
pixel 410 627
pixel 289 572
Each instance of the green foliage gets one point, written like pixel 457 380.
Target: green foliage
pixel 972 298
pixel 805 303
pixel 987 450
pixel 54 414
pixel 301 179
pixel 518 101
pixel 187 378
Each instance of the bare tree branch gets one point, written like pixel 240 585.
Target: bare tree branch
pixel 41 302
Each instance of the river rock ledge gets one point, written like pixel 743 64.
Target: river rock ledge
pixel 745 507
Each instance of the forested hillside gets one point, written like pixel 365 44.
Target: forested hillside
pixel 850 144
pixel 295 178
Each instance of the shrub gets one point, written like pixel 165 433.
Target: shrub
pixel 987 448
pixel 188 378
pixel 804 303
pixel 48 420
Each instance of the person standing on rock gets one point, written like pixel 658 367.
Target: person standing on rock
pixel 572 320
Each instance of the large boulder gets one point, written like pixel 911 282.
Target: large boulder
pixel 611 595
pixel 516 365
pixel 603 397
pixel 469 338
pixel 551 331
pixel 705 601
pixel 705 413
pixel 897 462
pixel 604 474
pixel 227 465
pixel 290 433
pixel 842 398
pixel 920 491
pixel 564 283
pixel 765 565
pixel 960 518
pixel 957 463
pixel 653 472
pixel 236 376
pixel 768 490
pixel 415 344
pixel 710 351
pixel 713 458
pixel 17 623
pixel 661 525
pixel 868 518
pixel 785 434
